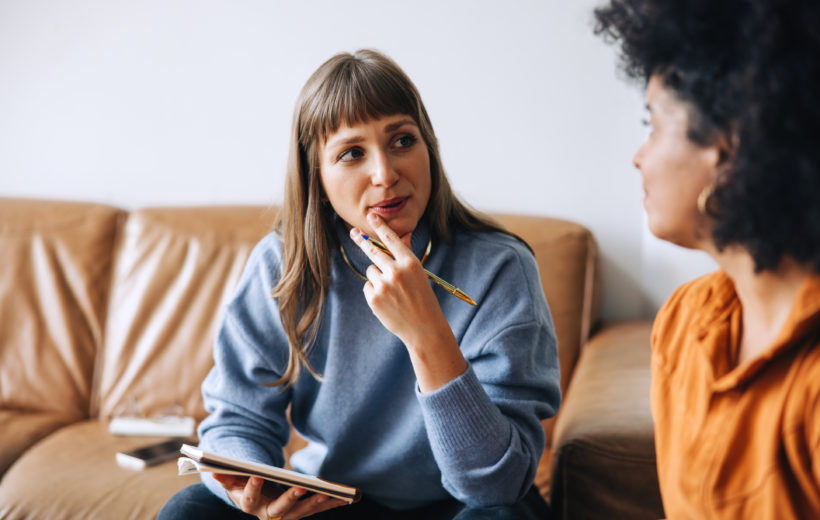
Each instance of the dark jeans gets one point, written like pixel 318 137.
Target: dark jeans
pixel 197 502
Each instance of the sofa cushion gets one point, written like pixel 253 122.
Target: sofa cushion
pixel 53 290
pixel 21 430
pixel 603 443
pixel 175 269
pixel 73 473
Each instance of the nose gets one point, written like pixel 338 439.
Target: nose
pixel 382 171
pixel 637 159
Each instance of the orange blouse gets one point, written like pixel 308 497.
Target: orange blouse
pixel 736 441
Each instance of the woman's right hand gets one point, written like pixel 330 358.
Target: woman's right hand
pixel 270 503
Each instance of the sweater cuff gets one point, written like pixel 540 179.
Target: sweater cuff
pixel 460 416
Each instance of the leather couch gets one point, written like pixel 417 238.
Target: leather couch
pixel 106 312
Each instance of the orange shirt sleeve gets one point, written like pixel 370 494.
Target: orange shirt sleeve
pixel 813 433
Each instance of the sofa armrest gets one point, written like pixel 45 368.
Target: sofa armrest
pixel 604 454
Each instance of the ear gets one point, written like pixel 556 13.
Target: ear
pixel 726 144
pixel 323 198
pixel 718 155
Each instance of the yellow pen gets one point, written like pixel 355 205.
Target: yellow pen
pixel 447 286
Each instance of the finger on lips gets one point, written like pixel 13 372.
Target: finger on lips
pixel 384 231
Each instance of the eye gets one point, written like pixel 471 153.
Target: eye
pixel 405 141
pixel 350 154
pixel 647 122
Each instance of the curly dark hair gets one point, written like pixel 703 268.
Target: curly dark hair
pixel 750 71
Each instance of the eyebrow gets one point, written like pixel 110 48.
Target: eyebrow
pixel 339 142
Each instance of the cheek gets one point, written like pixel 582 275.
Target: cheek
pixel 338 183
pixel 666 168
pixel 671 203
pixel 336 194
pixel 423 178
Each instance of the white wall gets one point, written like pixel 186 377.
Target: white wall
pixel 159 102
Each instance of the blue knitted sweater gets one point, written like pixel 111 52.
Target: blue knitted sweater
pixel 478 438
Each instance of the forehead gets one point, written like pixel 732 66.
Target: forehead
pixel 662 101
pixel 656 93
pixel 379 124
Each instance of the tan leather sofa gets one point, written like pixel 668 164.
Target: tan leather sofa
pixel 105 311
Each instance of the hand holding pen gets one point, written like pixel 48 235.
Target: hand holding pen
pixel 399 293
pixel 447 286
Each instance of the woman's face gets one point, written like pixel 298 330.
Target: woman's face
pixel 674 170
pixel 380 166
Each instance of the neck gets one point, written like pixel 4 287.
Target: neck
pixel 766 297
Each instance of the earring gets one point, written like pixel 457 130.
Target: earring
pixel 703 198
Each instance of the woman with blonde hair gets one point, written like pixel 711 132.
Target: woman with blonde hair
pixel 430 405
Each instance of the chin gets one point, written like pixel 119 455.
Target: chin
pixel 678 237
pixel 404 235
pixel 406 238
pixel 403 227
pixel 658 228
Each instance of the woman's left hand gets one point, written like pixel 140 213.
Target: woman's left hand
pixel 399 294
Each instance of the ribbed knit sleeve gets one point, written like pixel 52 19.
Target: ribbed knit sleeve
pixel 460 416
pixel 484 427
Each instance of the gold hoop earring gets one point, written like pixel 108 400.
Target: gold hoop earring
pixel 703 198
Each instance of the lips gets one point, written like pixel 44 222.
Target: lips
pixel 389 206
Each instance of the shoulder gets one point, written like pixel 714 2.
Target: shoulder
pixel 494 247
pixel 264 259
pixel 687 307
pixel 810 380
pixel 502 271
pixel 267 250
pixel 691 299
pixel 261 271
pixel 251 315
pixel 700 288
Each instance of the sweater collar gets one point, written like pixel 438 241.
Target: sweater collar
pixel 359 261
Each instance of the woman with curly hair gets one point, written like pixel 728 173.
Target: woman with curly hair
pixel 429 405
pixel 731 166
